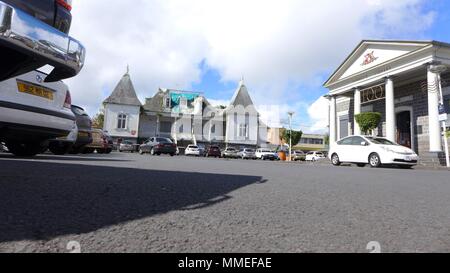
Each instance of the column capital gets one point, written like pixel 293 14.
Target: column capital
pixel 389 78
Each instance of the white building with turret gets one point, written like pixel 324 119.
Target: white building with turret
pixel 184 116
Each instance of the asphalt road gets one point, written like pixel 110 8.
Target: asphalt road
pixel 132 203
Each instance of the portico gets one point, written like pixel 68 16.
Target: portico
pixel 396 79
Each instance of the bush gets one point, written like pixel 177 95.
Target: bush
pixel 368 121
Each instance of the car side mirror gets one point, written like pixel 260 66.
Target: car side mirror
pixel 364 144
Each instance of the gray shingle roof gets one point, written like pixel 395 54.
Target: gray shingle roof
pixel 124 93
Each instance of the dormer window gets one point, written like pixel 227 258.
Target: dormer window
pixel 122 121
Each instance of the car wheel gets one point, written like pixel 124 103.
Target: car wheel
pixel 361 165
pixel 335 160
pixel 374 160
pixel 58 149
pixel 152 151
pixel 25 149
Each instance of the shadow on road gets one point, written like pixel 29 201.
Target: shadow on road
pixel 40 200
pixel 84 158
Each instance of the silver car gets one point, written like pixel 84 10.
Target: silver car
pixel 247 154
pixel 127 146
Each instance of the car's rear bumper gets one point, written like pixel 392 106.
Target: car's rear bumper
pixel 165 150
pixel 49 124
pixel 35 38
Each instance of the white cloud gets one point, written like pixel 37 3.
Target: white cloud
pixel 274 44
pixel 319 115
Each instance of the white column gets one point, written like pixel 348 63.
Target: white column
pixel 433 112
pixel 391 122
pixel 333 118
pixel 357 111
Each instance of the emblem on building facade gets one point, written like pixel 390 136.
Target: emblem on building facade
pixel 369 58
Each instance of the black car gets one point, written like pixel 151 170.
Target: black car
pixel 158 146
pixel 84 124
pixel 34 33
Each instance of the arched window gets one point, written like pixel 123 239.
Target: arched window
pixel 122 121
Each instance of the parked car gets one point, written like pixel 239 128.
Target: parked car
pixel 299 156
pixel 192 150
pixel 247 154
pixel 80 136
pixel 375 151
pixel 101 142
pixel 315 156
pixel 213 151
pixel 34 34
pixel 62 145
pixel 33 112
pixel 230 153
pixel 84 124
pixel 127 146
pixel 158 146
pixel 265 154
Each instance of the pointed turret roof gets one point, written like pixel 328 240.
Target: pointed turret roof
pixel 124 93
pixel 241 96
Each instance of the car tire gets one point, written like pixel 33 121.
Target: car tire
pixel 172 155
pixel 335 160
pixel 58 149
pixel 152 152
pixel 29 149
pixel 374 160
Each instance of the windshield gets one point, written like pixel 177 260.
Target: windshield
pixel 381 141
pixel 163 140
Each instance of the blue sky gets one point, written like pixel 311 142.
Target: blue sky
pixel 284 49
pixel 215 88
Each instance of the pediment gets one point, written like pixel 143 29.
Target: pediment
pixel 370 54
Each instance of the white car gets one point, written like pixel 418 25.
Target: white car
pixel 193 150
pixel 375 151
pixel 315 156
pixel 265 154
pixel 33 112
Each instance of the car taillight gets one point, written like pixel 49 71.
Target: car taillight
pixel 68 100
pixel 67 4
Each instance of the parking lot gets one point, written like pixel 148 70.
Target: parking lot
pixel 132 203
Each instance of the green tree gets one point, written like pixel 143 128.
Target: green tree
pixel 326 139
pixel 296 136
pixel 368 121
pixel 98 121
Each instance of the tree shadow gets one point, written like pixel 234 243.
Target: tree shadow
pixel 42 200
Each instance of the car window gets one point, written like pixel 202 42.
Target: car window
pixel 381 141
pixel 357 141
pixel 346 141
pixel 163 140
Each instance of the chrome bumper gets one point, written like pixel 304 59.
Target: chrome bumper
pixel 35 38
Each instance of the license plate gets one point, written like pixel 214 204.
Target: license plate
pixel 35 90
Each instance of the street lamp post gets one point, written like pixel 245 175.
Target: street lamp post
pixel 291 114
pixel 439 69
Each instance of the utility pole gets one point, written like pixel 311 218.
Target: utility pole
pixel 291 114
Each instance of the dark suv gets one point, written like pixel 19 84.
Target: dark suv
pixel 34 33
pixel 84 124
pixel 158 146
